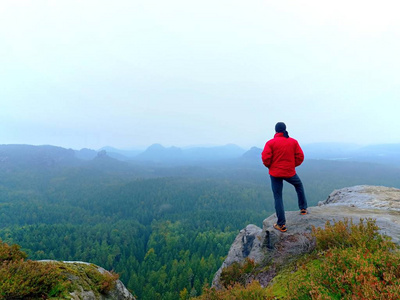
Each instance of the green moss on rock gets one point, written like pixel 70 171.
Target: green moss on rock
pixel 26 279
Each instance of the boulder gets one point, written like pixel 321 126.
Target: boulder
pixel 79 273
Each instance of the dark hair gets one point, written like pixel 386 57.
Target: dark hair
pixel 281 127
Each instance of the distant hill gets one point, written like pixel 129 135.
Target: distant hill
pixel 28 155
pixel 380 153
pixel 121 154
pixel 160 154
pixel 253 154
pixel 47 155
pixel 156 153
pixel 35 156
pixel 42 157
pixel 85 154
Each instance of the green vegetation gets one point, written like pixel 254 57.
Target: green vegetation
pixel 161 234
pixel 27 279
pixel 351 261
pixel 252 291
pixel 237 273
pixel 164 228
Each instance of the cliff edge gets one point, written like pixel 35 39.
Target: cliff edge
pixel 21 278
pixel 85 283
pixel 267 244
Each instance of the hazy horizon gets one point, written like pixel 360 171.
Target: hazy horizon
pixel 129 74
pixel 338 146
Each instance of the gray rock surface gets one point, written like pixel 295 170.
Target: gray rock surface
pixel 248 243
pixel 376 202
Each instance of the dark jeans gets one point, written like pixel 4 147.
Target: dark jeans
pixel 277 187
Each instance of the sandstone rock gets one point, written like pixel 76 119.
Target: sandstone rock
pixel 248 243
pixel 376 202
pixel 364 196
pixel 76 273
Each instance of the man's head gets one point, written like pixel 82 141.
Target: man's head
pixel 280 127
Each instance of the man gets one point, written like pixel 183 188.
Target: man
pixel 281 156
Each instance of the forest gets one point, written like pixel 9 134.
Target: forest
pixel 165 228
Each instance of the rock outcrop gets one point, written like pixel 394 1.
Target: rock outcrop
pixel 83 282
pixel 267 244
pixel 247 244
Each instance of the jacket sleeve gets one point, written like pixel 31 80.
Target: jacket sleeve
pixel 266 155
pixel 298 155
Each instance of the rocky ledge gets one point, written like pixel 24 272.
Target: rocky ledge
pixel 267 244
pixel 84 282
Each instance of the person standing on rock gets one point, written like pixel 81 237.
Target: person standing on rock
pixel 281 155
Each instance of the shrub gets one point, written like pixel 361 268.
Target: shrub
pixel 103 282
pixel 12 252
pixel 26 279
pixel 344 234
pixel 237 273
pixel 19 279
pixel 352 261
pixel 252 291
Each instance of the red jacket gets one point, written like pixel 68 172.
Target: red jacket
pixel 282 155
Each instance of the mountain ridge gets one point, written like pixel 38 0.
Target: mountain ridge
pixel 49 155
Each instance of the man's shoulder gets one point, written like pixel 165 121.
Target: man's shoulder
pixel 281 140
pixel 271 141
pixel 295 143
pixel 293 140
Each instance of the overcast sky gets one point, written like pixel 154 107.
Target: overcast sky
pixel 132 73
